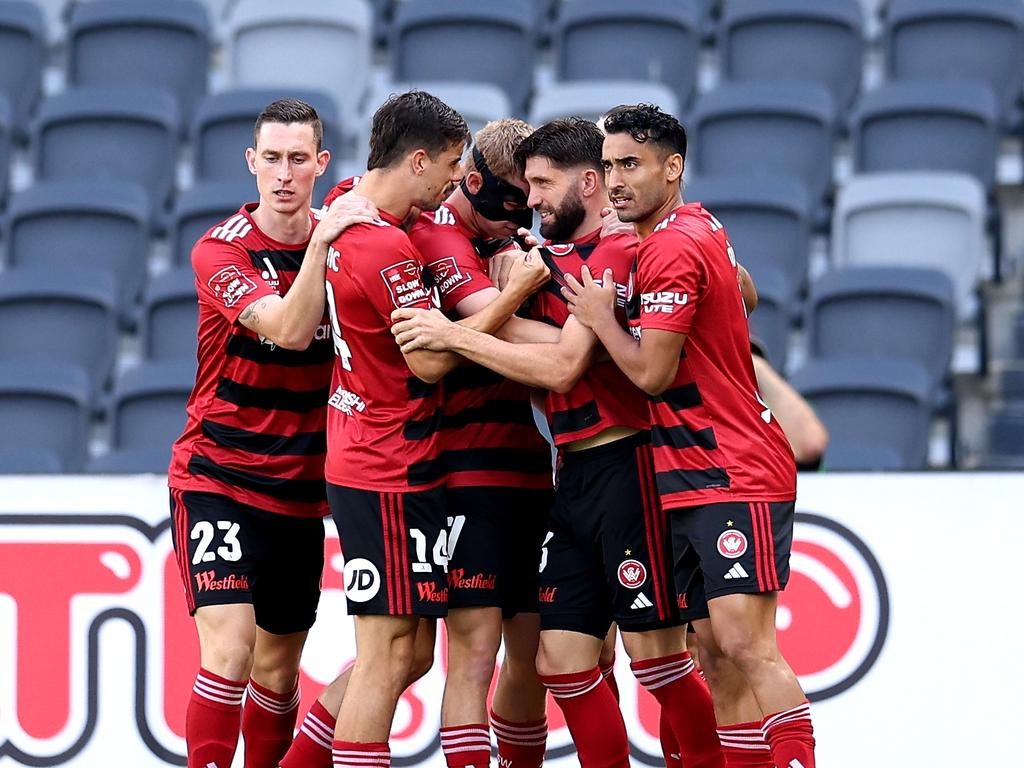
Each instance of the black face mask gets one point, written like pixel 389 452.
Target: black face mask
pixel 490 201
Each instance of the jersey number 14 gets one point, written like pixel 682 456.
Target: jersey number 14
pixel 340 347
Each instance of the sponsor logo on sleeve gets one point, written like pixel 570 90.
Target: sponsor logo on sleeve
pixel 230 285
pixel 404 283
pixel 663 301
pixel 448 275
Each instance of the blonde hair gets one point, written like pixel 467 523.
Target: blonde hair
pixel 498 142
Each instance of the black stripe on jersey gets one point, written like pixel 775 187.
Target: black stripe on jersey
pixel 308 491
pixel 548 320
pixel 425 472
pixel 272 399
pixel 493 412
pixel 470 377
pixel 299 444
pixel 677 480
pixel 680 398
pixel 682 436
pixel 419 389
pixel 248 348
pixel 555 290
pixel 498 460
pixel 424 428
pixel 575 419
pixel 281 261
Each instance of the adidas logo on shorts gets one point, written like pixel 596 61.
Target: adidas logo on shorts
pixel 737 572
pixel 641 602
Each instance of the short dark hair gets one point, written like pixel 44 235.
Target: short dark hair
pixel 647 123
pixel 288 111
pixel 567 142
pixel 413 120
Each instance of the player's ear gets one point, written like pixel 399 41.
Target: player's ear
pixel 323 159
pixel 250 160
pixel 674 167
pixel 589 182
pixel 474 182
pixel 418 161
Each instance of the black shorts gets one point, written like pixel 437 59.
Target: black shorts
pixel 494 540
pixel 732 548
pixel 395 550
pixel 608 555
pixel 229 552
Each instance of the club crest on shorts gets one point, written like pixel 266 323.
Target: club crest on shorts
pixel 632 574
pixel 732 544
pixel 362 580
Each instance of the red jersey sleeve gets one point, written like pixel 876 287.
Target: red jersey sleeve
pixel 459 275
pixel 390 273
pixel 671 277
pixel 226 278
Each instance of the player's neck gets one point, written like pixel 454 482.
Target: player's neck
pixel 385 191
pixel 591 222
pixel 283 227
pixel 464 211
pixel 645 227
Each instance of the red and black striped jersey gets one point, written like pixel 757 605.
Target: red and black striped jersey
pixel 383 423
pixel 489 435
pixel 255 429
pixel 714 438
pixel 604 397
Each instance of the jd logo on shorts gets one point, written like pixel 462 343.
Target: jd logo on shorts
pixel 362 580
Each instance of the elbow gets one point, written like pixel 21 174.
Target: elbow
pixel 567 374
pixel 809 446
pixel 654 385
pixel 294 343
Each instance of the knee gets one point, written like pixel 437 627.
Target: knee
pixel 746 650
pixel 279 673
pixel 422 661
pixel 549 662
pixel 472 656
pixel 229 658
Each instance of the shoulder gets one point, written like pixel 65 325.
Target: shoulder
pixel 617 244
pixel 375 233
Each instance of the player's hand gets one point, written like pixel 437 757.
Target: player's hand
pixel 500 264
pixel 610 224
pixel 420 329
pixel 528 273
pixel 590 302
pixel 527 237
pixel 345 211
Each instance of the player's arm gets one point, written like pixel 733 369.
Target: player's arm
pixel 291 320
pixel 806 433
pixel 747 288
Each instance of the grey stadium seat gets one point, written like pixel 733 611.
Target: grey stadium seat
pixel 772 131
pixel 25 461
pixel 102 225
pixel 142 43
pixel 768 222
pixel 45 407
pixel 466 40
pixel 131 461
pixel 883 313
pixel 877 412
pixel 66 316
pixel 1005 441
pixel 170 316
pixel 771 321
pixel 957 40
pixel 22 53
pixel 592 98
pixel 148 406
pixel 109 134
pixel 927 127
pixel 201 207
pixel 810 41
pixel 322 44
pixel 914 219
pixel 6 129
pixel 657 40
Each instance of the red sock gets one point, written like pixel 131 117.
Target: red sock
pixel 593 717
pixel 268 724
pixel 466 745
pixel 520 745
pixel 686 705
pixel 744 746
pixel 669 744
pixel 608 673
pixel 312 745
pixel 212 720
pixel 358 754
pixel 791 737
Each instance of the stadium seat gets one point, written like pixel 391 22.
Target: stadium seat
pixel 324 44
pixel 131 461
pixel 44 407
pixel 883 313
pixel 466 40
pixel 222 131
pixel 170 316
pixel 204 205
pixel 148 405
pixel 29 461
pixel 927 127
pixel 771 321
pixel 102 226
pixel 60 316
pixel 6 129
pixel 152 44
pixel 877 412
pixel 770 131
pixel 110 134
pixel 592 98
pixel 22 54
pixel 1005 442
pixel 957 40
pixel 807 41
pixel 914 219
pixel 655 40
pixel 1011 382
pixel 768 222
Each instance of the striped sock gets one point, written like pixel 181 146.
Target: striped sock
pixel 791 737
pixel 268 724
pixel 593 717
pixel 212 720
pixel 520 745
pixel 313 743
pixel 744 746
pixel 466 745
pixel 608 673
pixel 357 754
